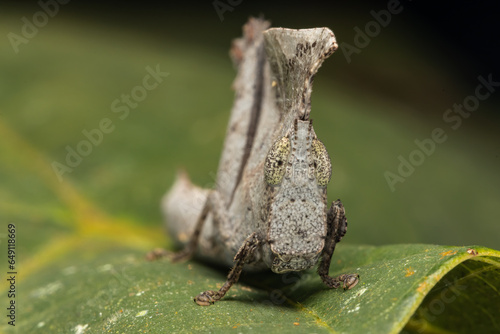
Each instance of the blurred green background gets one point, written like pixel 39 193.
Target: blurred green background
pixel 368 108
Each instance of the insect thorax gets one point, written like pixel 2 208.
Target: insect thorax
pixel 298 170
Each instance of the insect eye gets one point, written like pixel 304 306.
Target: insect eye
pixel 322 163
pixel 277 157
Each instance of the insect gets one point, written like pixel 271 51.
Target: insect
pixel 269 207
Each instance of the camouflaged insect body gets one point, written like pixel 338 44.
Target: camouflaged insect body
pixel 269 207
pixel 298 206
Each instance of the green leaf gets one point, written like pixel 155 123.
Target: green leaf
pixel 105 288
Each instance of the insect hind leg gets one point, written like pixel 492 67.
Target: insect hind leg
pixel 336 229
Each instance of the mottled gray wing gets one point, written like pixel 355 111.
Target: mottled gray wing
pixel 249 56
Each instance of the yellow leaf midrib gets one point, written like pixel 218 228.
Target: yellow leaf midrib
pixel 88 220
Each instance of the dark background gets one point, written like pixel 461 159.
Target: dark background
pixel 468 30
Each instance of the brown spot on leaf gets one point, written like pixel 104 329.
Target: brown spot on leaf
pixel 422 286
pixel 409 271
pixel 472 251
pixel 448 253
